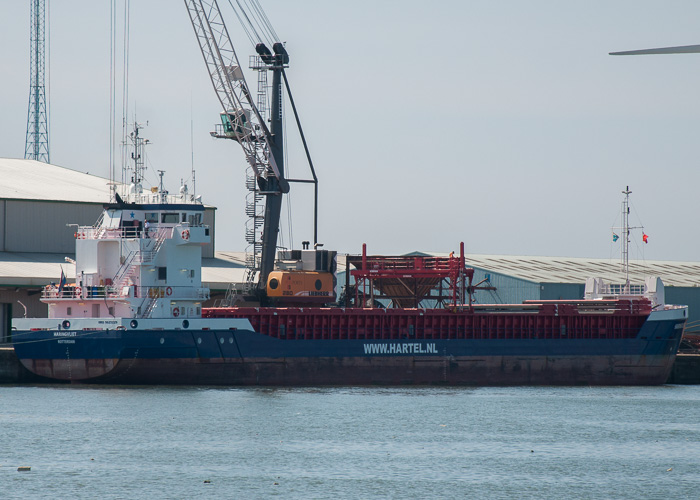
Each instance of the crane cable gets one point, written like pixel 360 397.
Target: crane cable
pixel 261 21
pixel 254 22
pixel 267 22
pixel 245 27
pixel 125 87
pixel 112 65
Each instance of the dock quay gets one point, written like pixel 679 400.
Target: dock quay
pixel 12 371
pixel 686 369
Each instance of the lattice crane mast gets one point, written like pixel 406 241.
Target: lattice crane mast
pixel 242 120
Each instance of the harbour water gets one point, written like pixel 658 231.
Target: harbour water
pixel 166 442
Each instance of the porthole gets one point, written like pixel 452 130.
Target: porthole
pixel 185 324
pixel 318 285
pixel 230 341
pixel 134 323
pixel 162 340
pixel 199 340
pixel 221 340
pixel 274 283
pixel 66 324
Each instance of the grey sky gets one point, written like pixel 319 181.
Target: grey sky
pixel 503 124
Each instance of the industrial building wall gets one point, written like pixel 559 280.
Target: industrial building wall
pixel 686 296
pixel 11 308
pixel 3 211
pixel 209 220
pixel 40 226
pixel 562 291
pixel 509 290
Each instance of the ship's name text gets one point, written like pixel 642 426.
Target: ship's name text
pixel 403 348
pixel 65 334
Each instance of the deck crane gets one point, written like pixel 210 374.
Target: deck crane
pixel 263 146
pixel 243 122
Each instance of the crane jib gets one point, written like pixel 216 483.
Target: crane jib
pixel 230 85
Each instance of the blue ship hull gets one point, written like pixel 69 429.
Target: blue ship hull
pixel 244 357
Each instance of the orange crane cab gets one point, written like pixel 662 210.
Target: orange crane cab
pixel 303 277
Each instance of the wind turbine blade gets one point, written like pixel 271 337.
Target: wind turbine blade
pixel 685 49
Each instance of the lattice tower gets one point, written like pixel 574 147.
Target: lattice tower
pixel 37 143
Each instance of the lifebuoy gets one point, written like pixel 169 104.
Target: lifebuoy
pixel 186 234
pixel 176 312
pixel 169 291
pixel 78 292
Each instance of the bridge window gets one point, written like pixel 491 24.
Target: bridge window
pixel 195 219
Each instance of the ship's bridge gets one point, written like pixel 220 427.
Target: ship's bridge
pixel 146 221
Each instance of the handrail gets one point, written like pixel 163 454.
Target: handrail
pixel 113 292
pixel 124 268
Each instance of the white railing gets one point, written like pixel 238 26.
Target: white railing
pixel 113 292
pixel 100 233
pixel 622 289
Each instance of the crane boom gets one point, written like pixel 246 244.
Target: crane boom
pixel 231 89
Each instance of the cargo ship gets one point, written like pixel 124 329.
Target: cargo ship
pixel 136 315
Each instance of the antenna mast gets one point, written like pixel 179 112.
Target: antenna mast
pixel 36 146
pixel 625 247
pixel 135 166
pixel 626 230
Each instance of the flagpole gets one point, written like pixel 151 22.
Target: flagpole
pixel 626 231
pixel 625 247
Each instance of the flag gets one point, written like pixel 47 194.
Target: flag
pixel 62 281
pixel 645 237
pixel 615 237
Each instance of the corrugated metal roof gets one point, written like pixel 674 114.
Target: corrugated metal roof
pixel 35 180
pixel 32 269
pixel 224 268
pixel 577 270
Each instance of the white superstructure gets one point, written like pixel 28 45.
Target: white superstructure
pixel 138 261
